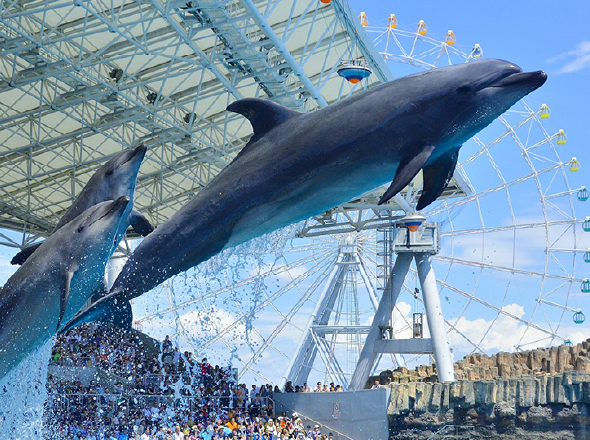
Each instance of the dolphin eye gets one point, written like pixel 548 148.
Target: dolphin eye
pixel 109 173
pixel 81 228
pixel 464 90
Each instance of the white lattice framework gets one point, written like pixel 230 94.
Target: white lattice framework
pixel 80 80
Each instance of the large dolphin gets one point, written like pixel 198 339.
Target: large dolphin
pixel 114 179
pixel 57 280
pixel 298 165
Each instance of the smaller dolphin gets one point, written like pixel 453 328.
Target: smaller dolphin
pixel 55 282
pixel 114 179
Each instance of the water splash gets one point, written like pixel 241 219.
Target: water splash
pixel 214 291
pixel 23 394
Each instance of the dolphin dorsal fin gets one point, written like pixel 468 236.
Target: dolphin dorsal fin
pixel 262 114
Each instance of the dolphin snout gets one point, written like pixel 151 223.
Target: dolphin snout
pixel 137 154
pixel 140 150
pixel 118 205
pixel 533 79
pixel 121 202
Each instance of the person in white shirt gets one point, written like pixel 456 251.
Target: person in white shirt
pixel 178 434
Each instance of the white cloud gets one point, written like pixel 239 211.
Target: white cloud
pixel 575 60
pixel 503 334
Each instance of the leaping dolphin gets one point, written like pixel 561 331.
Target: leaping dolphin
pixel 114 179
pixel 57 280
pixel 298 165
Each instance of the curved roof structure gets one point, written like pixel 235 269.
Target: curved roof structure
pixel 80 80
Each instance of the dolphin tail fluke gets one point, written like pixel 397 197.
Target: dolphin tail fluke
pixel 107 310
pixel 140 223
pixel 101 291
pixel 436 177
pixel 121 317
pixel 90 313
pixel 22 256
pixel 407 169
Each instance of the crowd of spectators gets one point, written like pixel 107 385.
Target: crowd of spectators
pixel 163 395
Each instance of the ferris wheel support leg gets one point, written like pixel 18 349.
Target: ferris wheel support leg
pixel 302 361
pixel 382 317
pixel 434 316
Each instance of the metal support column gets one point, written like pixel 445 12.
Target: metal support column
pixel 302 361
pixel 382 317
pixel 435 319
pixel 376 343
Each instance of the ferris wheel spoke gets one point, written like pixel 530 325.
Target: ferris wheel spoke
pixel 286 319
pixel 453 327
pixel 493 229
pixel 276 295
pixel 557 209
pixel 560 265
pixel 559 306
pixel 285 269
pixel 554 290
pixel 439 208
pixel 491 306
pixel 484 148
pixel 503 268
pixel 544 312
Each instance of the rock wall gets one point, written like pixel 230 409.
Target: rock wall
pixel 477 366
pixel 551 407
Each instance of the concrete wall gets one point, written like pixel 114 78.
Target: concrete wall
pixel 360 415
pixel 85 375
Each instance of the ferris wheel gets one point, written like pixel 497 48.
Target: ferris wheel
pixel 510 269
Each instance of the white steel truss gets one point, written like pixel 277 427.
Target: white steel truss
pixel 80 80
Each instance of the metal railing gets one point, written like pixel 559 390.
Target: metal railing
pixel 126 401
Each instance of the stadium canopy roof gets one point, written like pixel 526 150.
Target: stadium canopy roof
pixel 82 79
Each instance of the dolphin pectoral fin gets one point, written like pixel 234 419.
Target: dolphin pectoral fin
pixel 262 114
pixel 22 256
pixel 407 169
pixel 140 223
pixel 436 177
pixel 65 296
